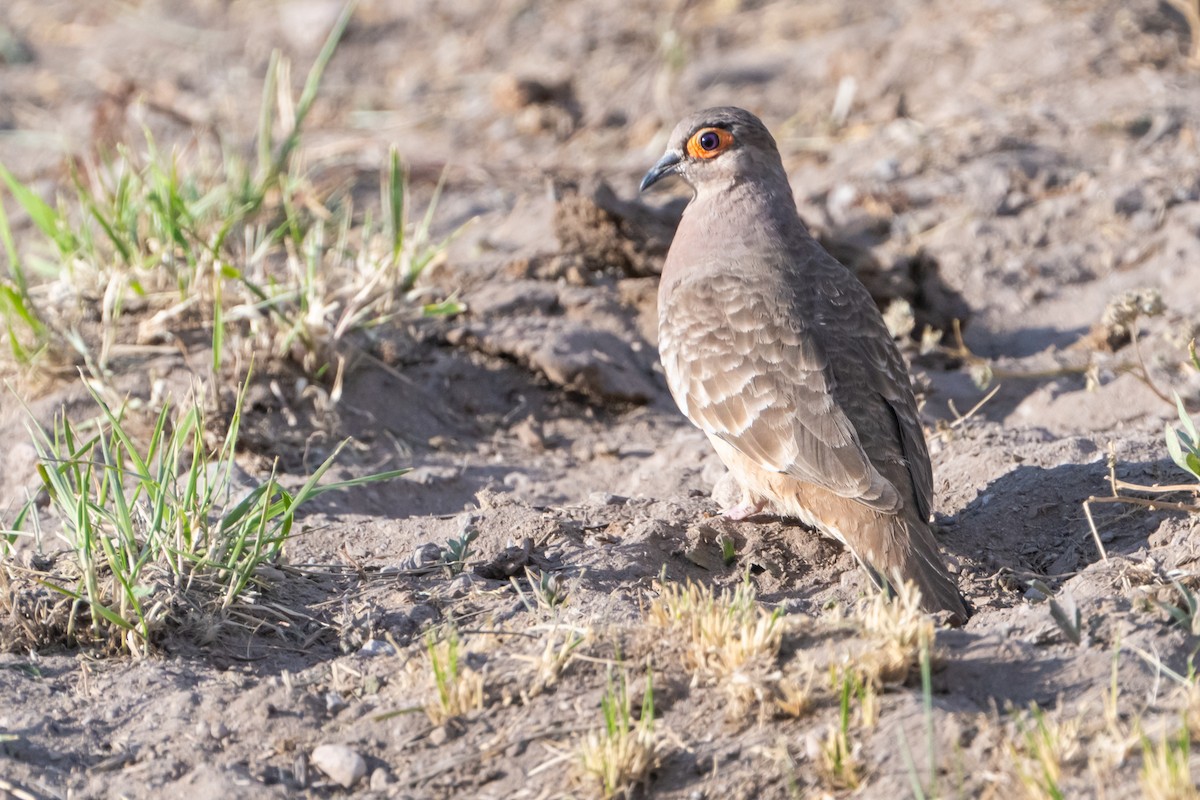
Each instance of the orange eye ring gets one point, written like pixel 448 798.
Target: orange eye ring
pixel 709 142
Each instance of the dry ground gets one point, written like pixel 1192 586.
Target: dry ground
pixel 1018 165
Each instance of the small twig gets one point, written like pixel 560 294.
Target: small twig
pixel 959 419
pixel 1193 488
pixel 1087 511
pixel 1153 505
pixel 1145 376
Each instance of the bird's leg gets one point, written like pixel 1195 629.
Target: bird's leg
pixel 747 508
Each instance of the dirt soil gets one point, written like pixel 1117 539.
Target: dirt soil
pixel 1016 165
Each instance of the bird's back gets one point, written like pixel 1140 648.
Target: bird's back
pixel 768 302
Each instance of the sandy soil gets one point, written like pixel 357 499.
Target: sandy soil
pixel 1018 165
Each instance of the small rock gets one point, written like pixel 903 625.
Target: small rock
pixel 727 493
pixel 377 647
pixel 450 729
pixel 334 702
pixel 606 499
pixel 516 480
pixel 342 764
pixel 381 779
pixel 462 585
pixel 426 555
pixel 218 730
pixel 885 169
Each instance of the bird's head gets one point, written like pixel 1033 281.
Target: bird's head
pixel 717 147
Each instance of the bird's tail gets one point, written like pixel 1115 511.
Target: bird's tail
pixel 912 555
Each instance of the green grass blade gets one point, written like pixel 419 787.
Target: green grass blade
pixel 48 220
pixel 307 96
pixel 15 267
pixel 397 182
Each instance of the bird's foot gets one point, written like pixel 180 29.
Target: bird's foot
pixel 744 510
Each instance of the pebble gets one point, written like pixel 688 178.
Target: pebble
pixel 461 585
pixel 342 764
pixel 606 499
pixel 377 647
pixel 381 779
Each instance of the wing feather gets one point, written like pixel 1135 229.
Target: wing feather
pixel 745 367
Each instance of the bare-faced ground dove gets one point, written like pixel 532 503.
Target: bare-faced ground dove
pixel 778 353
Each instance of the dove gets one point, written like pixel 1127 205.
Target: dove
pixel 778 353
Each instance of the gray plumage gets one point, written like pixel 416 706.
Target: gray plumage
pixel 778 353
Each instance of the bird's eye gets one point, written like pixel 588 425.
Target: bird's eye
pixel 709 142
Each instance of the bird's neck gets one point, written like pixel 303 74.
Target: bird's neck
pixel 727 222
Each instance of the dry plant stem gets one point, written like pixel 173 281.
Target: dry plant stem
pixel 1153 505
pixel 959 419
pixel 1145 376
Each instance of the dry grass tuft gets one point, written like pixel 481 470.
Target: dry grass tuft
pixel 840 760
pixel 902 629
pixel 557 652
pixel 723 632
pixel 1165 773
pixel 459 688
pixel 1040 751
pixel 727 637
pixel 794 695
pixel 619 756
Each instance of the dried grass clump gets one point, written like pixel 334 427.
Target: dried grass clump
pixel 459 689
pixel 723 632
pixel 902 630
pixel 619 755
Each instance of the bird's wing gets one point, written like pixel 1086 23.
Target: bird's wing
pixel 898 434
pixel 744 367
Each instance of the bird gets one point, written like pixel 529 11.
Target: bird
pixel 778 353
